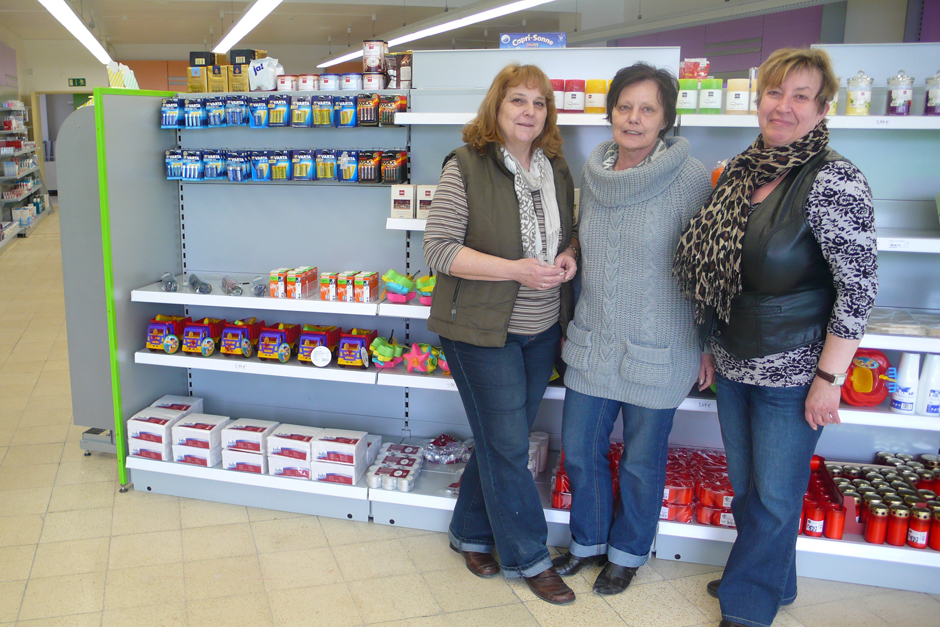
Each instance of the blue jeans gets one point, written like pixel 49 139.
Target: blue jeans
pixel 769 447
pixel 627 534
pixel 498 504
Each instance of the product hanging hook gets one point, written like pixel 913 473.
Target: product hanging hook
pixel 575 15
pixel 329 41
pixel 373 25
pixel 639 9
pixel 348 32
pixel 403 23
pixel 446 8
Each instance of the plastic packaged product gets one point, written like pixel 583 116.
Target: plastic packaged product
pixel 900 94
pixel 303 165
pixel 858 94
pixel 737 98
pixel 928 393
pixel 675 512
pixel 367 109
pixel 259 286
pixel 171 113
pixel 930 322
pixel 260 165
pixel 231 287
pixel 710 96
pixel 199 286
pixel 174 164
pixel 258 111
pixel 574 95
pixel 387 478
pixel 687 101
pixel 395 166
pixel 446 449
pixel 904 395
pixel 238 165
pixel 215 112
pixel 348 166
pixel 401 449
pixel 399 461
pixel 388 106
pixel 322 109
pixel 714 516
pixel 194 113
pixel 192 165
pixel 932 95
pixel 280 165
pixel 370 166
pixel 213 165
pixel 279 110
pixel 236 111
pixel 168 282
pixel 301 115
pixel 891 321
pixel 326 165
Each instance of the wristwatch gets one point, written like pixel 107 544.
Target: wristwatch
pixel 833 379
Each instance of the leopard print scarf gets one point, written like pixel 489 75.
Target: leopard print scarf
pixel 708 258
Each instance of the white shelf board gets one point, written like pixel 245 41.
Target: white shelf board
pixel 396 310
pixel 404 224
pixel 220 363
pixel 14 200
pixel 4 109
pixel 399 377
pixel 18 153
pixel 459 119
pixel 865 122
pixel 429 492
pixel 720 120
pixel 905 343
pixel 17 132
pixel 909 241
pixel 216 473
pixel 35 168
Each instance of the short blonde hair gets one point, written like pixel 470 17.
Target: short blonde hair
pixel 484 129
pixel 780 63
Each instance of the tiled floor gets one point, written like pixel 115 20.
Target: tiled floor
pixel 75 553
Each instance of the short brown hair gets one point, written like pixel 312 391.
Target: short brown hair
pixel 483 130
pixel 780 63
pixel 666 85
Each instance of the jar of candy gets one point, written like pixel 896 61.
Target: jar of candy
pixel 858 95
pixel 932 107
pixel 900 94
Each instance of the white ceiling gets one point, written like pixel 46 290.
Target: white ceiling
pixel 313 22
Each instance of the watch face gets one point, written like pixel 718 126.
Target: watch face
pixel 839 379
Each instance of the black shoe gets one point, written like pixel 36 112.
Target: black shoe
pixel 712 588
pixel 569 564
pixel 613 579
pixel 728 623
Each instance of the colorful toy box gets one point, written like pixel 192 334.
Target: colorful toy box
pixel 240 338
pixel 314 336
pixel 279 342
pixel 354 348
pixel 328 282
pixel 300 282
pixel 346 286
pixel 164 332
pixel 366 287
pixel 203 336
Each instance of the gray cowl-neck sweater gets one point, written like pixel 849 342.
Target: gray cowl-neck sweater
pixel 633 338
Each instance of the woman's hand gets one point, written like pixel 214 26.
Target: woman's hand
pixel 566 261
pixel 538 275
pixel 706 372
pixel 822 404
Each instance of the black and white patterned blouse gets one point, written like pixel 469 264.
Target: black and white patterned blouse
pixel 840 213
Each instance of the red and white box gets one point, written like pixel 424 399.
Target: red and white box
pixel 340 446
pixel 153 424
pixel 288 467
pixel 374 444
pixel 207 457
pixel 150 450
pixel 328 472
pixel 247 434
pixel 200 431
pixel 424 194
pixel 186 404
pixel 244 461
pixel 293 441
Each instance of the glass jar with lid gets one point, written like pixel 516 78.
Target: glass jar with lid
pixel 858 94
pixel 932 102
pixel 900 94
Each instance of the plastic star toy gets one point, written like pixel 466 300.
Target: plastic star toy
pixel 420 358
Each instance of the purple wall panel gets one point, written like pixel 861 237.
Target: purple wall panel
pixel 800 27
pixel 930 25
pixel 733 30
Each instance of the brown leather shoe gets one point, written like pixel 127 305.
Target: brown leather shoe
pixel 480 564
pixel 549 586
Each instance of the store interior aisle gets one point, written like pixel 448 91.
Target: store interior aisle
pixel 74 552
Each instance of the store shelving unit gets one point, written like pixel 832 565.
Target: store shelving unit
pixel 6 206
pixel 204 229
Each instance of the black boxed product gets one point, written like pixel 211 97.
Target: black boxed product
pixel 205 59
pixel 395 166
pixel 246 55
pixel 370 166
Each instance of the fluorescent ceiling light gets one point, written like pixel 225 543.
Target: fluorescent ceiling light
pixel 70 21
pixel 252 17
pixel 460 22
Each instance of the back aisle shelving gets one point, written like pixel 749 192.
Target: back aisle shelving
pixel 31 174
pixel 247 230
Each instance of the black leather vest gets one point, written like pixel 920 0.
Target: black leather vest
pixel 787 287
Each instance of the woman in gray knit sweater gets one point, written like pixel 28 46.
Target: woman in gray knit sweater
pixel 632 346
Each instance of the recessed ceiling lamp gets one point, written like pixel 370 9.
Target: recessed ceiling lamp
pixel 252 17
pixel 451 24
pixel 70 21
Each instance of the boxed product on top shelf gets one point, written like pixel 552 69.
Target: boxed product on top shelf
pixel 897 321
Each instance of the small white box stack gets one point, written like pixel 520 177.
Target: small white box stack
pixel 339 456
pixel 244 444
pixel 403 201
pixel 186 404
pixel 425 194
pixel 290 450
pixel 149 433
pixel 197 439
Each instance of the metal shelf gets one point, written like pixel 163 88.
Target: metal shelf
pixel 27 231
pixel 18 153
pixel 459 119
pixel 27 194
pixel 19 132
pixel 906 343
pixel 865 122
pixel 4 179
pixel 10 236
pixel 909 241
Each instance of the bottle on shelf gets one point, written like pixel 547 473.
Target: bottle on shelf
pixel 858 94
pixel 900 94
pixel 928 388
pixel 905 390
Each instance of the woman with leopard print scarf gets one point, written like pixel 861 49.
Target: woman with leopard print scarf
pixel 781 266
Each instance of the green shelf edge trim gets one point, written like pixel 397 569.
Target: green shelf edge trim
pixel 119 431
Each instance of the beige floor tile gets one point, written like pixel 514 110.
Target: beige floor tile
pixel 693 589
pixel 145 549
pixel 77 525
pixel 166 614
pixel 204 543
pixel 838 613
pixel 339 531
pixel 653 604
pixel 10 419
pixel 88 470
pixel 6 435
pixel 61 416
pixel 55 377
pixel 365 561
pixel 257 514
pixel 431 552
pixel 61 401
pixel 195 513
pixel 901 607
pixel 51 389
pixel 588 610
pixel 81 496
pixel 62 596
pixel 393 598
pixel 52 365
pixel 457 590
pixel 815 591
pixel 23 502
pixel 23 366
pixel 74 453
pixel 299 569
pixel 272 536
pixel 332 606
pixel 19 377
pixel 517 615
pixel 252 610
pixel 30 351
pixel 229 576
pixel 11 597
pixel 75 620
pixel 56 559
pixel 674 569
pixel 39 435
pixel 33 455
pixel 25 477
pixel 143 586
pixel 784 619
pixel 20 530
pixel 16 561
pixel 145 516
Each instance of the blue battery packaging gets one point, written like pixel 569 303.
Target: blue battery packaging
pixel 213 165
pixel 348 166
pixel 236 111
pixel 174 165
pixel 260 165
pixel 192 165
pixel 326 165
pixel 194 113
pixel 322 107
pixel 278 110
pixel 258 111
pixel 215 112
pixel 238 166
pixel 344 111
pixel 171 113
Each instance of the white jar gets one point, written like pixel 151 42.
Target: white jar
pixel 858 100
pixel 905 391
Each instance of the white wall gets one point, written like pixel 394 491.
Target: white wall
pixel 16 43
pixel 875 21
pixel 49 65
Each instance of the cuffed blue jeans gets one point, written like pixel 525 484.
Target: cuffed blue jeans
pixel 769 446
pixel 498 504
pixel 626 534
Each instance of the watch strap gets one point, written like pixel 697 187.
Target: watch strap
pixel 830 378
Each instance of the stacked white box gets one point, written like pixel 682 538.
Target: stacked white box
pixel 244 461
pixel 186 404
pixel 247 434
pixel 150 450
pixel 207 457
pixel 290 449
pixel 374 443
pixel 342 448
pixel 149 432
pixel 329 472
pixel 202 431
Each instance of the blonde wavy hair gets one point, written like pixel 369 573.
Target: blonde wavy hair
pixel 780 63
pixel 484 129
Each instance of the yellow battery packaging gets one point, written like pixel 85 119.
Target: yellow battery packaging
pixel 279 111
pixel 280 165
pixel 344 111
pixel 370 166
pixel 395 166
pixel 303 165
pixel 367 107
pixel 301 115
pixel 322 109
pixel 348 166
pixel 326 165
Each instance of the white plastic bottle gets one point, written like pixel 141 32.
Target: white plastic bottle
pixel 905 393
pixel 928 389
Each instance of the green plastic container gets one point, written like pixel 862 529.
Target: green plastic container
pixel 687 102
pixel 710 96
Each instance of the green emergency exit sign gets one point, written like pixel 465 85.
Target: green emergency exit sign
pixel 76 82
